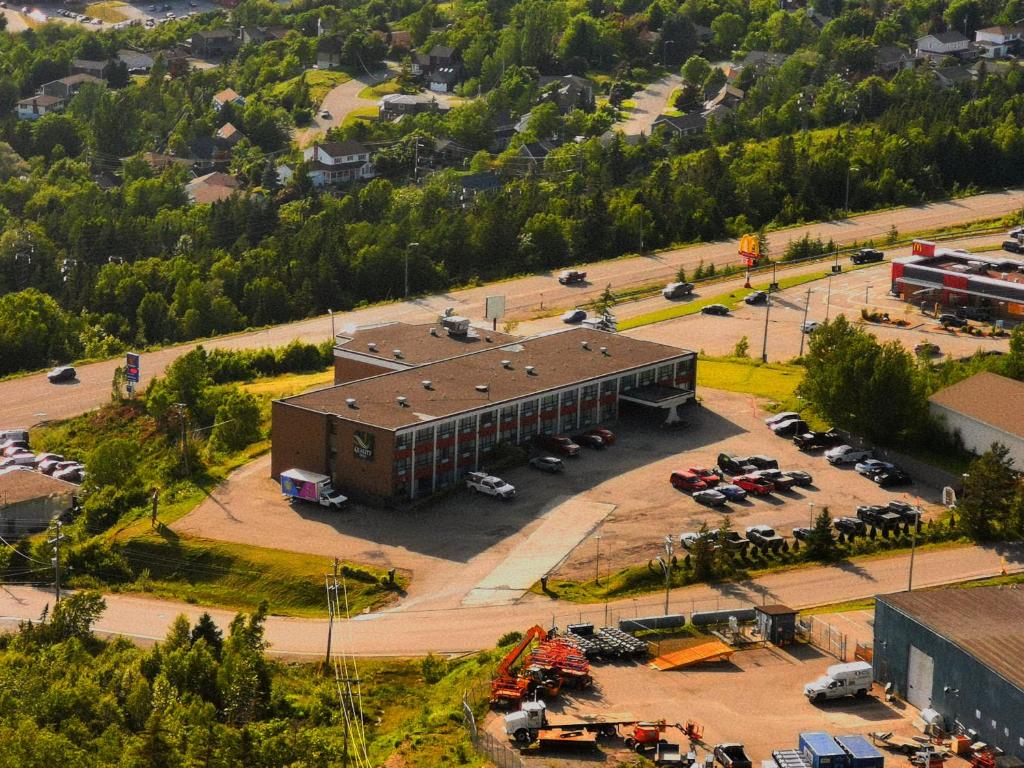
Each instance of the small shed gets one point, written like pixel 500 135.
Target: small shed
pixel 776 623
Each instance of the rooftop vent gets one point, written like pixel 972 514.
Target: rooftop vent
pixel 372 346
pixel 427 384
pixel 506 364
pixel 433 331
pixel 397 353
pixel 530 370
pixel 585 344
pixel 402 401
pixel 487 338
pixel 481 388
pixel 604 351
pixel 350 402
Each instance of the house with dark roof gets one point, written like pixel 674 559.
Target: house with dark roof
pixel 332 163
pixel 503 131
pixel 957 653
pixel 259 35
pixel 682 125
pixel 475 184
pixel 890 59
pixel 395 105
pixel 983 409
pixel 68 87
pixel 728 96
pixel 88 67
pixel 440 69
pixel 39 105
pixel 567 92
pixel 536 151
pixel 938 45
pixel 949 77
pixel 328 52
pixel 137 62
pixel 213 43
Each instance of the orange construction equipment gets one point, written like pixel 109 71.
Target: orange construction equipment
pixel 554 662
pixel 505 686
pixel 713 650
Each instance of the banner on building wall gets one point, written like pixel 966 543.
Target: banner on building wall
pixel 362 445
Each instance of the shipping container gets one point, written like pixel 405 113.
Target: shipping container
pixel 861 752
pixel 821 750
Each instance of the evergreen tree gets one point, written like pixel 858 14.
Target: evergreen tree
pixel 990 489
pixel 820 543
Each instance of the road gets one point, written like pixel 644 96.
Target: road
pixel 338 102
pixel 458 630
pixel 30 399
pixel 650 102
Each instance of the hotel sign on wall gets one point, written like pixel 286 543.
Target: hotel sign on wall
pixel 362 445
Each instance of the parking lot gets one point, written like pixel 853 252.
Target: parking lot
pixel 21 17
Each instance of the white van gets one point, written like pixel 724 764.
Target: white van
pixel 851 679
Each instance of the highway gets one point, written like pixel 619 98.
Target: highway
pixel 31 399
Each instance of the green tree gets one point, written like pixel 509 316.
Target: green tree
pixel 74 616
pixel 742 348
pixel 237 422
pixel 696 70
pixel 207 630
pixel 112 462
pixel 821 545
pixel 701 554
pixel 986 505
pixel 729 29
pixel 35 331
pixel 1013 361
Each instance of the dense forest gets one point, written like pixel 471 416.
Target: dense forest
pixel 99 251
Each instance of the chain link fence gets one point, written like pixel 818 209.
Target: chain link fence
pixel 822 635
pixel 496 750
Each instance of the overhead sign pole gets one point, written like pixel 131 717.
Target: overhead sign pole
pixel 132 371
pixel 494 309
pixel 750 252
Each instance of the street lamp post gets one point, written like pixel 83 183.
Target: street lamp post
pixel 807 306
pixel 411 245
pixel 846 204
pixel 597 563
pixel 810 505
pixel 333 336
pixel 767 311
pixel 828 298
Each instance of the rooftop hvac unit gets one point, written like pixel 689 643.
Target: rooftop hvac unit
pixel 372 346
pixel 427 384
pixel 506 364
pixel 530 370
pixel 481 387
pixel 397 353
pixel 455 325
pixel 350 402
pixel 585 344
pixel 604 350
pixel 433 331
pixel 402 401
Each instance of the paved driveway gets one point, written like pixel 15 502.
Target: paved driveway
pixel 339 101
pixel 650 102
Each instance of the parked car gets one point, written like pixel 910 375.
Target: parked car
pixel 759 486
pixel 605 434
pixel 809 326
pixel 24 459
pixel 549 464
pixel 49 466
pixel 734 465
pixel 715 309
pixel 866 256
pixel 802 534
pixel 709 476
pixel 710 498
pixel 846 454
pixel 62 374
pixel 560 444
pixel 908 512
pixel 41 457
pixel 325 114
pixel 687 540
pixel 869 467
pixel 733 540
pixel 687 481
pixel 481 482
pixel 778 418
pixel 570 276
pixel 809 441
pixel 757 297
pixel 780 480
pixel 14 449
pixel 10 444
pixel 731 491
pixel 75 474
pixel 764 536
pixel 589 440
pixel 981 314
pixel 732 756
pixel 677 290
pixel 803 479
pixel 763 462
pixel 878 516
pixel 574 316
pixel 851 526
pixel 1013 246
pixel 890 478
pixel 951 321
pixel 790 428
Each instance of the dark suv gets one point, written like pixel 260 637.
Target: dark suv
pixel 879 517
pixel 866 256
pixel 981 314
pixel 561 444
pixel 811 440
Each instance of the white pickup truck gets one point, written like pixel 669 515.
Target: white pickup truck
pixel 490 485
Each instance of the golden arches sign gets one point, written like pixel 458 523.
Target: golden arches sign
pixel 749 246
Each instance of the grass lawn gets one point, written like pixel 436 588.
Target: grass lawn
pixel 363 113
pixel 775 381
pixel 320 82
pixel 108 10
pixel 628 104
pixel 376 91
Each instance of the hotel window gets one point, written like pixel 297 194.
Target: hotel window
pixel 445 430
pixel 401 466
pixel 549 403
pixel 403 441
pixel 590 392
pixel 529 408
pixel 424 460
pixel 486 419
pixel 665 374
pixel 508 413
pixel 467 425
pixel 646 377
pixel 609 387
pixel 529 430
pixel 548 424
pixel 424 436
pixel 569 421
pixel 684 368
pixel 628 381
pixel 569 398
pixel 487 442
pixel 444 453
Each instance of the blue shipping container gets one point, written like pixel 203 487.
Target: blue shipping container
pixel 821 750
pixel 862 753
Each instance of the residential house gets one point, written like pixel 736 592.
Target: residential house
pixel 67 87
pixel 999 42
pixel 213 43
pixel 176 60
pixel 762 60
pixel 211 188
pixel 535 152
pixel 228 136
pixel 567 92
pixel 159 162
pixel 36 106
pixel 227 96
pixel 891 58
pixel 728 97
pixel 948 77
pixel 683 125
pixel 399 40
pixel 206 154
pixel 30 501
pixel 259 35
pixel 88 67
pixel 938 45
pixel 475 184
pixel 446 152
pixel 328 52
pixel 820 20
pixel 138 63
pixel 503 131
pixel 332 163
pixel 395 105
pixel 441 68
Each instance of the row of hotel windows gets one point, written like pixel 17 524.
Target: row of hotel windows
pixel 545 415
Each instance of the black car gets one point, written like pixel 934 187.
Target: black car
pixel 866 256
pixel 762 462
pixel 811 440
pixel 757 297
pixel 790 428
pixel 547 464
pixel 879 517
pixel 851 526
pixel 588 440
pixel 908 512
pixel 951 321
pixel 981 314
pixel 803 479
pixel 61 374
pixel 781 481
pixel 734 540
pixel 1013 246
pixel 802 534
pixel 735 465
pixel 715 309
pixel 891 478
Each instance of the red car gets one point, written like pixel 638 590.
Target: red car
pixel 754 484
pixel 605 434
pixel 709 476
pixel 687 481
pixel 561 444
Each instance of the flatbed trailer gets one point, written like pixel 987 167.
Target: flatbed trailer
pixel 576 738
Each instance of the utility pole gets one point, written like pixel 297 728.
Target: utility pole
pixel 597 563
pixel 913 548
pixel 828 298
pixel 55 542
pixel 184 438
pixel 332 583
pixel 807 306
pixel 666 566
pixel 767 311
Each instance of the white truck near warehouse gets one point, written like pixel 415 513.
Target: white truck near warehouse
pixel 851 679
pixel 481 482
pixel 298 484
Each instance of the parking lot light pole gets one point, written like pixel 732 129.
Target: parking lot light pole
pixel 913 548
pixel 811 505
pixel 828 298
pixel 333 337
pixel 597 563
pixel 807 307
pixel 767 311
pixel 666 565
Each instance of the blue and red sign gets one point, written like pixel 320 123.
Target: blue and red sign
pixel 132 370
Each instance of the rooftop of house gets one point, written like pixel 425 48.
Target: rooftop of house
pixel 988 398
pixel 342 148
pixel 420 343
pixel 19 484
pixel 951 36
pixel 222 33
pixel 983 621
pixel 78 79
pixel 486 378
pixel 229 132
pixel 41 100
pixel 212 187
pixel 228 94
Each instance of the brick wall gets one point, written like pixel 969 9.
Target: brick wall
pixel 369 478
pixel 346 370
pixel 298 440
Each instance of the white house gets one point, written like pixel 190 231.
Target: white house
pixel 941 44
pixel 998 42
pixel 35 107
pixel 333 162
pixel 984 409
pixel 228 95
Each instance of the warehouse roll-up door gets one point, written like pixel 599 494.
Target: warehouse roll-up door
pixel 920 670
